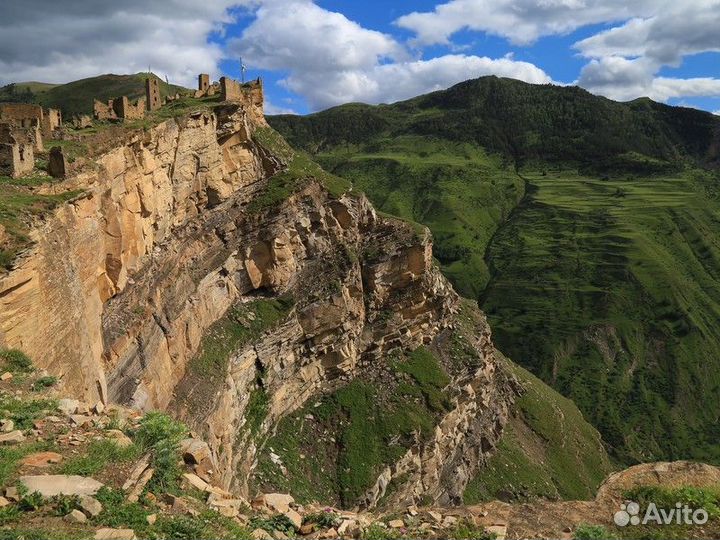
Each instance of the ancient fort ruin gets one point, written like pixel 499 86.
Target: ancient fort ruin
pixel 22 128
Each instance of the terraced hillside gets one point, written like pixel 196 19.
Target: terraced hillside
pixel 601 282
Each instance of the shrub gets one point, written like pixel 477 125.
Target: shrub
pixel 161 435
pixel 64 504
pixel 16 361
pixel 278 522
pixel 44 382
pixel 592 532
pixel 377 532
pixel 465 530
pixel 25 412
pixel 327 519
pixel 31 501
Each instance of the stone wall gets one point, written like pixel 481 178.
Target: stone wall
pixel 17 156
pixel 249 94
pixel 52 120
pixel 21 114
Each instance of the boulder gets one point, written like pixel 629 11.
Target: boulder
pixel 280 502
pixel 76 516
pixel 261 534
pixel 13 437
pixel 61 484
pixel 500 531
pixel 396 524
pixel 194 451
pixel 89 505
pixel 6 426
pixel 295 518
pixel 41 459
pixel 115 534
pixel 3 502
pixel 6 376
pixel 195 481
pixel 68 406
pixel 12 493
pixel 118 437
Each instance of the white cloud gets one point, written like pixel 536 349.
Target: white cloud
pixel 625 60
pixel 55 41
pixel 331 60
pixel 271 108
pixel 664 38
pixel 717 112
pixel 521 21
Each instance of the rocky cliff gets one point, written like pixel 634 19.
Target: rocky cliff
pixel 210 270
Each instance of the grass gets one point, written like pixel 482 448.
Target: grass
pixel 16 361
pixel 300 170
pixel 241 325
pixel 10 457
pixel 354 432
pixel 548 450
pixel 99 455
pixel 23 412
pixel 707 498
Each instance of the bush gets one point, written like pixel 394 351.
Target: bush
pixel 118 513
pixel 277 522
pixel 327 519
pixel 64 504
pixel 31 502
pixel 592 532
pixel 465 530
pixel 44 382
pixel 377 532
pixel 161 435
pixel 16 361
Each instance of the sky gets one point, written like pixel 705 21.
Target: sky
pixel 314 54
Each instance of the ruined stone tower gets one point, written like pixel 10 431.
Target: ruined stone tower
pixel 203 82
pixel 152 94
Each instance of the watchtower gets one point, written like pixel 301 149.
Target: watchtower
pixel 152 94
pixel 203 82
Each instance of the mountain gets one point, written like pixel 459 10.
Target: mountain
pixel 77 97
pixel 587 230
pixel 194 263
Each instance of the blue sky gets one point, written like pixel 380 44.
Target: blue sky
pixel 316 54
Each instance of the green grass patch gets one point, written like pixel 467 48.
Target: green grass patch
pixel 334 450
pixel 16 361
pixel 10 457
pixel 23 412
pixel 99 455
pixel 160 434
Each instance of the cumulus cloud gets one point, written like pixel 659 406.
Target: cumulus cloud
pixel 331 59
pixel 55 41
pixel 625 60
pixel 521 21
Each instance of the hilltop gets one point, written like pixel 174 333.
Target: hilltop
pixel 76 97
pixel 585 228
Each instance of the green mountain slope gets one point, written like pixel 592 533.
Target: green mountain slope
pixel 77 97
pixel 584 227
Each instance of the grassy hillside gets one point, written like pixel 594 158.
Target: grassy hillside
pixel 547 450
pixel 77 97
pixel 584 227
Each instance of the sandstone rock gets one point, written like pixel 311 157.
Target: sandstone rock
pixel 115 534
pixel 500 531
pixel 396 524
pixel 348 526
pixel 279 502
pixel 12 493
pixel 295 518
pixel 99 407
pixel 68 406
pixel 137 471
pixel 76 516
pixel 194 451
pixel 330 533
pixel 307 528
pixel 6 426
pixel 41 459
pixel 13 437
pixel 261 534
pixel 437 516
pixel 6 376
pixel 118 437
pixel 137 489
pixel 3 502
pixel 228 511
pixel 195 481
pixel 61 484
pixel 151 519
pixel 90 505
pixel 279 535
pixel 80 419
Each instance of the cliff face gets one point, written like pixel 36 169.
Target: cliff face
pixel 154 289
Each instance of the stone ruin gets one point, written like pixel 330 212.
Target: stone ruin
pixel 152 94
pixel 17 156
pixel 205 89
pixel 250 94
pixel 120 108
pixel 57 163
pixel 22 128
